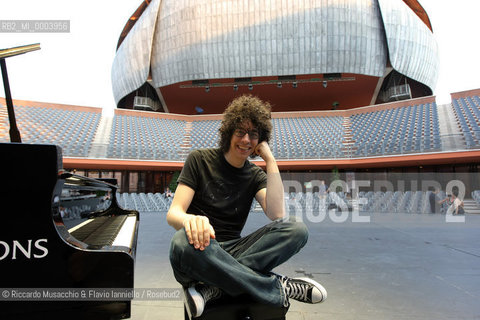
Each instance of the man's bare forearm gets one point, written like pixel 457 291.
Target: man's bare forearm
pixel 275 192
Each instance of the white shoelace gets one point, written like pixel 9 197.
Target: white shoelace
pixel 297 291
pixel 283 281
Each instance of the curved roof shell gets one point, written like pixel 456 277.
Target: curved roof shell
pixel 174 41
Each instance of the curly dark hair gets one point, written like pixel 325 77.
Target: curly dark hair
pixel 245 108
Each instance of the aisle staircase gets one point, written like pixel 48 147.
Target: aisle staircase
pixel 348 144
pixel 470 206
pixel 449 130
pixel 102 137
pixel 186 145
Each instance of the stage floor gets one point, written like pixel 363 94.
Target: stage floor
pixel 395 266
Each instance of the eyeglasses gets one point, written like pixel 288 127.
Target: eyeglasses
pixel 252 134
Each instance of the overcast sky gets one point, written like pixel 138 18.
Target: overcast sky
pixel 74 67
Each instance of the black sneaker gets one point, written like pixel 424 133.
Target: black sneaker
pixel 195 298
pixel 303 290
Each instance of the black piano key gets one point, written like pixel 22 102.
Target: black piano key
pixel 101 231
pixel 83 232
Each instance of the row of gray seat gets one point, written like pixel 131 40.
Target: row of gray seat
pixel 135 137
pixel 144 201
pixel 400 130
pixel 72 130
pixel 467 112
pixel 297 203
pixel 409 129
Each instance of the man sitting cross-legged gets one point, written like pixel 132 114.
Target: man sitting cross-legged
pixel 209 210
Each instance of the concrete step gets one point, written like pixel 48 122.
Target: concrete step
pixel 471 206
pixel 102 136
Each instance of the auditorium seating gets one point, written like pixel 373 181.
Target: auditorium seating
pixel 303 202
pixel 144 202
pixel 397 131
pixel 307 137
pixel 136 137
pixel 467 112
pixel 205 133
pixel 369 202
pixel 71 129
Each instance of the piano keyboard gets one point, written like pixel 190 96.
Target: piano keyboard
pixel 106 231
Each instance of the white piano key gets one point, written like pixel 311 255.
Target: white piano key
pixel 78 226
pixel 126 233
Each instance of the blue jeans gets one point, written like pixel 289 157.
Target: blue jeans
pixel 240 266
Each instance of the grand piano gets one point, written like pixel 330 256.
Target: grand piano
pixel 61 230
